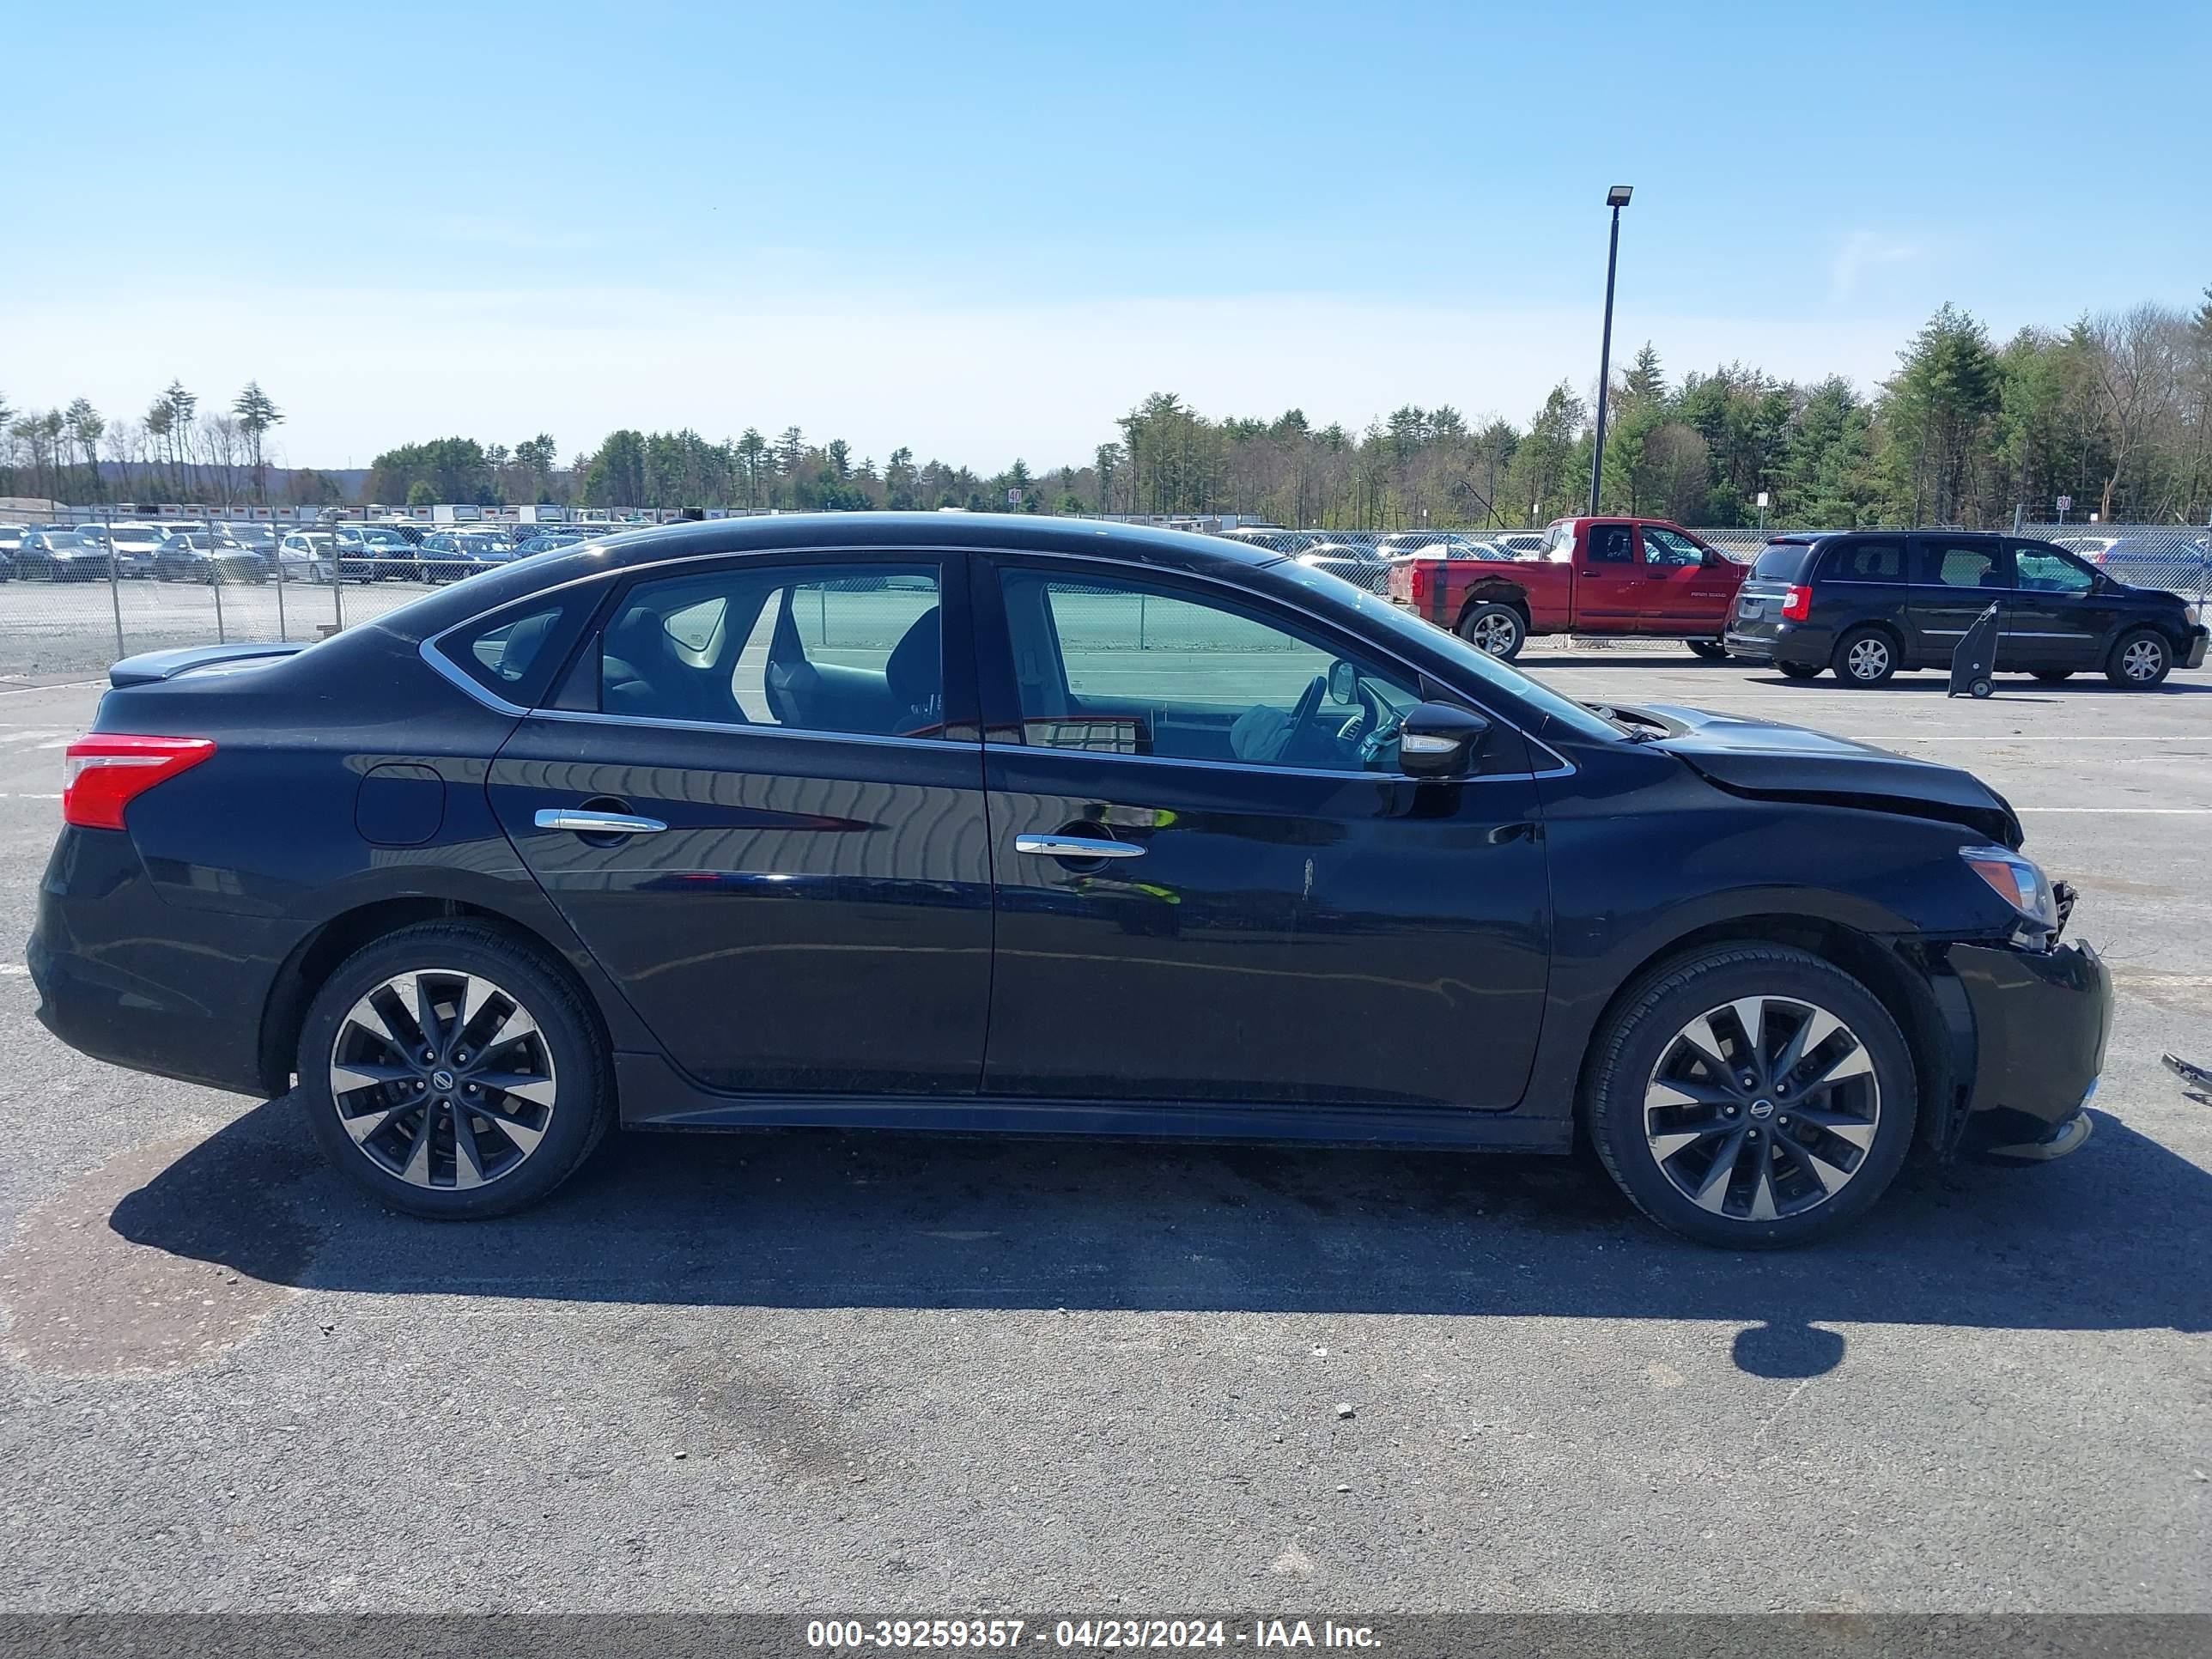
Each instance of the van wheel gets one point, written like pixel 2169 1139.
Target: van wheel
pixel 2141 660
pixel 1497 628
pixel 1710 650
pixel 1799 670
pixel 1751 1096
pixel 453 1073
pixel 1865 656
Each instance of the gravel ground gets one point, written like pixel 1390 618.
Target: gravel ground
pixel 885 1375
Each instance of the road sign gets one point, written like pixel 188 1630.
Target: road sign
pixel 1013 498
pixel 2065 503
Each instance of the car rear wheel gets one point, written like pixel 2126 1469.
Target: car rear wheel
pixel 1497 628
pixel 1799 670
pixel 1710 650
pixel 1752 1095
pixel 453 1073
pixel 1865 656
pixel 2141 660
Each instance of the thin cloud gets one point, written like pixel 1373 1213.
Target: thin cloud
pixel 1864 251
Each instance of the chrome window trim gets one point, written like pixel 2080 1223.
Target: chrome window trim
pixel 588 717
pixel 888 553
pixel 440 663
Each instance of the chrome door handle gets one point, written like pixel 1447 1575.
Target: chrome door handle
pixel 597 824
pixel 1075 847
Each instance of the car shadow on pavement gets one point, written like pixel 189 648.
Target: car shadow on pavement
pixel 2110 1239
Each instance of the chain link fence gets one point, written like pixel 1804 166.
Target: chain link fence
pixel 78 607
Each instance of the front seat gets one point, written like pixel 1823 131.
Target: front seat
pixel 915 671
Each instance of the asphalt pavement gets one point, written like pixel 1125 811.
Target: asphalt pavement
pixel 862 1374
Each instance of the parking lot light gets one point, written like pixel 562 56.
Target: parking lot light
pixel 1616 198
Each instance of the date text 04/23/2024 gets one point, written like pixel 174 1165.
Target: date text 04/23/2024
pixel 1090 1634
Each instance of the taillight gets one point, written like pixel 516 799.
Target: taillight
pixel 105 773
pixel 1797 604
pixel 1418 579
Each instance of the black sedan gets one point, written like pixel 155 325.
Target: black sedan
pixel 910 820
pixel 64 556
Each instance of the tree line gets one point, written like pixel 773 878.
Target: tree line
pixel 2114 412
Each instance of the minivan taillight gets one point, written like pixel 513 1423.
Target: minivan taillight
pixel 104 773
pixel 1797 603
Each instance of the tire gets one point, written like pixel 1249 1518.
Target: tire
pixel 1498 630
pixel 533 1137
pixel 1799 670
pixel 1707 650
pixel 2054 676
pixel 1645 1090
pixel 1981 690
pixel 1865 657
pixel 2141 659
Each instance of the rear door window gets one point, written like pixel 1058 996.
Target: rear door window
pixel 855 650
pixel 1978 565
pixel 1867 562
pixel 1612 543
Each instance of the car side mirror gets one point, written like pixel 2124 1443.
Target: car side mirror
pixel 1343 682
pixel 1439 741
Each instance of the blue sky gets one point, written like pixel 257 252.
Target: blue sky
pixel 988 230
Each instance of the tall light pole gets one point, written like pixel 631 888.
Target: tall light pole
pixel 1616 198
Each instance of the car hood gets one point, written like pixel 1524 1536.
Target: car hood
pixel 1769 761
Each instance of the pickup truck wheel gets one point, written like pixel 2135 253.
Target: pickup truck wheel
pixel 2141 660
pixel 1799 670
pixel 1865 656
pixel 1751 1096
pixel 1497 628
pixel 1710 650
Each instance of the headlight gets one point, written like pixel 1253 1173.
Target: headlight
pixel 2193 614
pixel 2017 880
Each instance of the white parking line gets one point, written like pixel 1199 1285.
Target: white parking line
pixel 2132 812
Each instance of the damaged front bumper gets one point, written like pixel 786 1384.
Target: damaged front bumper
pixel 2041 1022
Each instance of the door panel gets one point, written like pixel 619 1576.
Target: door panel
pixel 1284 937
pixel 1305 926
pixel 2054 620
pixel 1609 580
pixel 1693 597
pixel 1955 581
pixel 815 915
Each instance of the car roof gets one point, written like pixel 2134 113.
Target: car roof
pixel 828 533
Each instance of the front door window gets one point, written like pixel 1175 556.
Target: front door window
pixel 1124 668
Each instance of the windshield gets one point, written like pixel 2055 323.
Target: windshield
pixel 1479 667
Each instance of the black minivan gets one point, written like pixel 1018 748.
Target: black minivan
pixel 1867 604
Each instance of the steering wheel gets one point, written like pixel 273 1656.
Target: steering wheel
pixel 1384 734
pixel 1294 734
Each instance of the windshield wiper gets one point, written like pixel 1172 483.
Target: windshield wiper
pixel 1635 728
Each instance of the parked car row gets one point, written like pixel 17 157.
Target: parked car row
pixel 219 553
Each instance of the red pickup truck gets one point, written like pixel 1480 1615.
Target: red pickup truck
pixel 1641 577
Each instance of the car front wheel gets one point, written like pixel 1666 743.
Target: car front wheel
pixel 453 1073
pixel 1751 1096
pixel 1710 650
pixel 2141 660
pixel 1799 670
